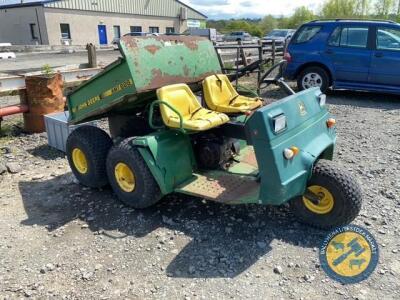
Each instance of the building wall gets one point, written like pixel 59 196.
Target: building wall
pixel 15 25
pixel 84 24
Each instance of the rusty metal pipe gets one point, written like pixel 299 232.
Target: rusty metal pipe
pixel 13 109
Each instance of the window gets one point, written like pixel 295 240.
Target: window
pixel 349 37
pixel 65 32
pixel 334 39
pixel 136 28
pixel 306 33
pixel 33 28
pixel 117 31
pixel 169 30
pixel 388 39
pixel 154 29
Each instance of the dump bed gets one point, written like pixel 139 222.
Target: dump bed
pixel 147 63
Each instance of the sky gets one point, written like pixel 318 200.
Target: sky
pixel 226 9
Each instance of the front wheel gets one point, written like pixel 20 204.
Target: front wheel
pixel 333 198
pixel 313 77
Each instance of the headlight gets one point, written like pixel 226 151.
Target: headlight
pixel 279 123
pixel 322 99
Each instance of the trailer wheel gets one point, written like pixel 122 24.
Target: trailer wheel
pixel 87 148
pixel 130 178
pixel 337 198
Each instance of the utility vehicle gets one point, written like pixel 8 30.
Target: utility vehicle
pixel 178 125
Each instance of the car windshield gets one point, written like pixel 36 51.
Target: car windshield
pixel 278 33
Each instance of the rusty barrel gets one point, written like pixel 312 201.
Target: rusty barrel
pixel 44 96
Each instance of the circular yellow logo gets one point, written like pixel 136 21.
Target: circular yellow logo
pixel 349 254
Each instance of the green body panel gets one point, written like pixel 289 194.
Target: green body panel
pixel 147 64
pixel 158 61
pixel 169 156
pixel 283 179
pixel 101 93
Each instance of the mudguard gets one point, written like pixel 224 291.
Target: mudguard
pixel 283 179
pixel 169 156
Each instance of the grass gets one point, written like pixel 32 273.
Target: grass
pixel 10 128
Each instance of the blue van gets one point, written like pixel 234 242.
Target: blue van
pixel 346 54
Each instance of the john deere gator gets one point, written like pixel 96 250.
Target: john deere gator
pixel 178 125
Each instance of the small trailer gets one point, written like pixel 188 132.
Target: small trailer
pixel 178 125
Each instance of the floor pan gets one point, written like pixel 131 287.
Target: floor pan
pixel 222 187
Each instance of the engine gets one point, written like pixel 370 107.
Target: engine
pixel 213 152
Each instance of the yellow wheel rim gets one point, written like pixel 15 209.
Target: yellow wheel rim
pixel 125 177
pixel 80 161
pixel 326 204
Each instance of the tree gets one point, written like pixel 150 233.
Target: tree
pixel 268 23
pixel 300 16
pixel 345 8
pixel 235 25
pixel 384 8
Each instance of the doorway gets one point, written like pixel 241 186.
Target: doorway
pixel 102 34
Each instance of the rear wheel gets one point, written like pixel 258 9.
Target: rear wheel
pixel 333 198
pixel 87 148
pixel 130 178
pixel 313 77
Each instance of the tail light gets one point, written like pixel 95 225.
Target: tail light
pixel 287 57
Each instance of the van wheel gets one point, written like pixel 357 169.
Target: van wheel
pixel 313 77
pixel 130 178
pixel 87 148
pixel 333 198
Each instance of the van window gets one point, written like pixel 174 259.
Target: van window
pixel 306 33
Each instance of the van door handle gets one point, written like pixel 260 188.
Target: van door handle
pixel 378 54
pixel 329 51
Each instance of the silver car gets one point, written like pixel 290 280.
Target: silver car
pixel 238 36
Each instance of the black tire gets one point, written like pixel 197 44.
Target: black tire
pixel 146 191
pixel 94 143
pixel 325 80
pixel 346 193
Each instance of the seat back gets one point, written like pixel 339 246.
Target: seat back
pixel 181 98
pixel 218 90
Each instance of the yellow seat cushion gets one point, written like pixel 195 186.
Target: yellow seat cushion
pixel 194 116
pixel 221 96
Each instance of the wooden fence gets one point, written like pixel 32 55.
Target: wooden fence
pixel 233 54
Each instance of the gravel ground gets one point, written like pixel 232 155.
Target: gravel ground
pixel 61 240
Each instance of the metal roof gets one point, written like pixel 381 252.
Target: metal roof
pixel 160 8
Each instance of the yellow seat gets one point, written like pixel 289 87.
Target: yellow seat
pixel 194 116
pixel 221 96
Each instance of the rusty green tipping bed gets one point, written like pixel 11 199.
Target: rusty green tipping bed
pixel 147 63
